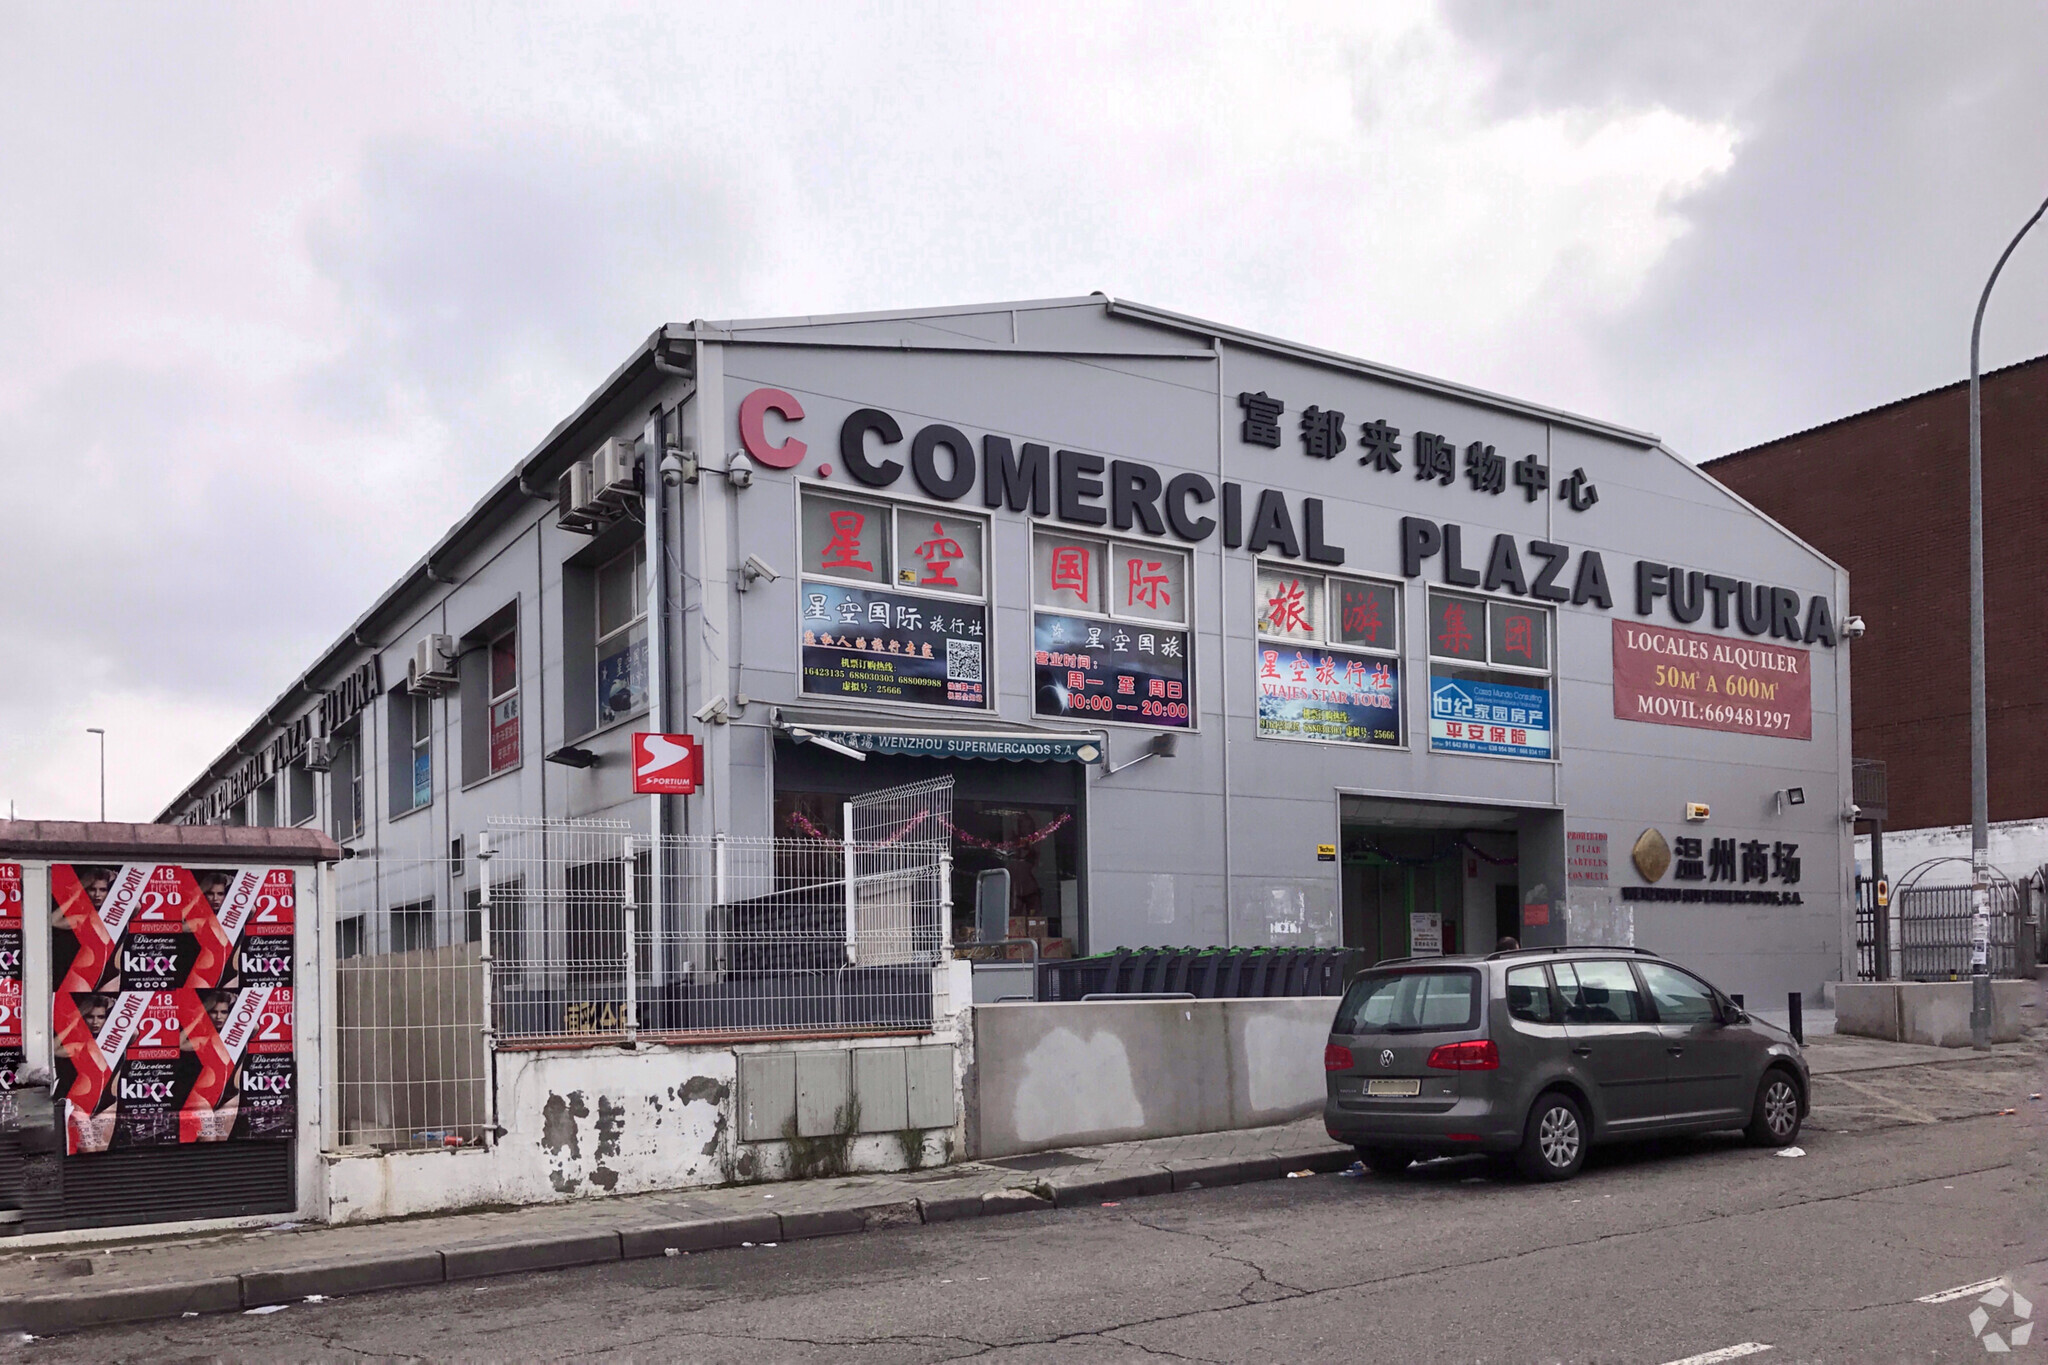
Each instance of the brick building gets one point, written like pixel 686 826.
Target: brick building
pixel 1886 494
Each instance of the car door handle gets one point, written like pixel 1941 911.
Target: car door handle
pixel 1675 1050
pixel 1582 1049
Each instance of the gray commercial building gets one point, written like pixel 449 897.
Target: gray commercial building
pixel 1224 640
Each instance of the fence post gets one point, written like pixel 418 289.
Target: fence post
pixel 632 962
pixel 852 903
pixel 486 958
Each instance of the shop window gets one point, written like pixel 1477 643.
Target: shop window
pixel 894 602
pixel 1490 665
pixel 1329 658
pixel 263 805
pixel 411 730
pixel 621 586
pixel 1105 643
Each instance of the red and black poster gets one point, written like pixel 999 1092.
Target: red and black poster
pixel 172 1009
pixel 12 1038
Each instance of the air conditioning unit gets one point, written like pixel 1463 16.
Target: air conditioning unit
pixel 575 505
pixel 432 666
pixel 615 473
pixel 319 755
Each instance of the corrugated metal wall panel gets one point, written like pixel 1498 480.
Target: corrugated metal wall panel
pixel 169 1184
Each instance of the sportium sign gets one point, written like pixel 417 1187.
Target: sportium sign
pixel 1710 682
pixel 667 765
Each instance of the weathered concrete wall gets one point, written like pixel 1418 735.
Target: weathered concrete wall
pixel 2018 848
pixel 1047 1076
pixel 1935 1013
pixel 603 1121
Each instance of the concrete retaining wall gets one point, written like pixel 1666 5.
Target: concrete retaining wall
pixel 1057 1075
pixel 1936 1013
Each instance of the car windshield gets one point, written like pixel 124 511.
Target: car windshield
pixel 1410 1002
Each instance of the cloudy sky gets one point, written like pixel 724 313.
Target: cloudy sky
pixel 287 287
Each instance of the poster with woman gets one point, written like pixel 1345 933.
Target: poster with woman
pixel 172 1009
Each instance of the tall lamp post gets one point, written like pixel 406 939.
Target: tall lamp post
pixel 1980 799
pixel 95 730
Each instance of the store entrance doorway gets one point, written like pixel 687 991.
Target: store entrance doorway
pixel 1422 878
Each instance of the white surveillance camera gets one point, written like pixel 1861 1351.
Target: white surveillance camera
pixel 1853 628
pixel 714 712
pixel 738 475
pixel 756 568
pixel 678 467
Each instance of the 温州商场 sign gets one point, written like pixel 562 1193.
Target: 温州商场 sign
pixel 1709 682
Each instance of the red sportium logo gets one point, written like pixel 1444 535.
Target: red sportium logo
pixel 667 765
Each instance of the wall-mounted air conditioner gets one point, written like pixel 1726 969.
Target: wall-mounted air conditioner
pixel 432 666
pixel 575 505
pixel 615 473
pixel 319 755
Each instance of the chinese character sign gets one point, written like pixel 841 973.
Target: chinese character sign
pixel 1468 716
pixel 863 642
pixel 11 1026
pixel 938 553
pixel 1290 604
pixel 1365 615
pixel 1308 692
pixel 172 1013
pixel 848 539
pixel 1111 670
pixel 1068 574
pixel 1150 583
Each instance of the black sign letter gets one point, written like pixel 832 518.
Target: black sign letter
pixel 853 450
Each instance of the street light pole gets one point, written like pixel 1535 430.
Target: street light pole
pixel 1980 797
pixel 95 730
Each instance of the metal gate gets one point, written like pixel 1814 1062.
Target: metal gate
pixel 1934 924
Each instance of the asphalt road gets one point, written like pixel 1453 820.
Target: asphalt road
pixel 1654 1254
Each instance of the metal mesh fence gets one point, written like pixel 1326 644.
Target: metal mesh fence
pixel 410 1051
pixel 730 937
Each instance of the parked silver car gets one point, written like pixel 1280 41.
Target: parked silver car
pixel 1540 1052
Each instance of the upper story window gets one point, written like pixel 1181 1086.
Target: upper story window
pixel 348 814
pixel 412 751
pixel 1329 657
pixel 1107 638
pixel 1490 665
pixel 504 714
pixel 894 602
pixel 621 585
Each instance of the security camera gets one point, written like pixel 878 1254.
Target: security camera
pixel 1853 628
pixel 755 568
pixel 738 475
pixel 678 466
pixel 714 712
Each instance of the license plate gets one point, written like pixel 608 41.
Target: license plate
pixel 1393 1087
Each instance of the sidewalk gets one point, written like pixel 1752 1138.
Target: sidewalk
pixel 125 1279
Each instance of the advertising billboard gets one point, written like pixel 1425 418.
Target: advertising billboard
pixel 1327 694
pixel 1110 670
pixel 172 1011
pixel 12 1038
pixel 1473 716
pixel 877 645
pixel 1708 682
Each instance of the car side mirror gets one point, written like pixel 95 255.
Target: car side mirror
pixel 1732 1013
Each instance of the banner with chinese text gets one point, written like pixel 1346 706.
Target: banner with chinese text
pixel 876 645
pixel 1309 692
pixel 1708 682
pixel 12 1035
pixel 1469 716
pixel 1111 670
pixel 172 1009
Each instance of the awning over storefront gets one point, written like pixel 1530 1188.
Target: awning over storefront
pixel 1018 744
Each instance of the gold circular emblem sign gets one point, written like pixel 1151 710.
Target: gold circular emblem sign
pixel 1652 855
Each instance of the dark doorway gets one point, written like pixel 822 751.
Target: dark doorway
pixel 1410 867
pixel 1022 816
pixel 1507 913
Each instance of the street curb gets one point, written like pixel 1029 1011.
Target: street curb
pixel 44 1314
pixel 701 1234
pixel 1080 1192
pixel 543 1253
pixel 262 1287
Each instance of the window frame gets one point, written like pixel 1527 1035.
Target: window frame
pixel 494 698
pixel 1646 1008
pixel 1642 970
pixel 1513 675
pixel 892 505
pixel 636 551
pixel 1188 628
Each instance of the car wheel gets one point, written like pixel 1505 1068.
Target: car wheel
pixel 1554 1142
pixel 1774 1118
pixel 1385 1160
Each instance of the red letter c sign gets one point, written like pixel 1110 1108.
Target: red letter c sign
pixel 756 406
